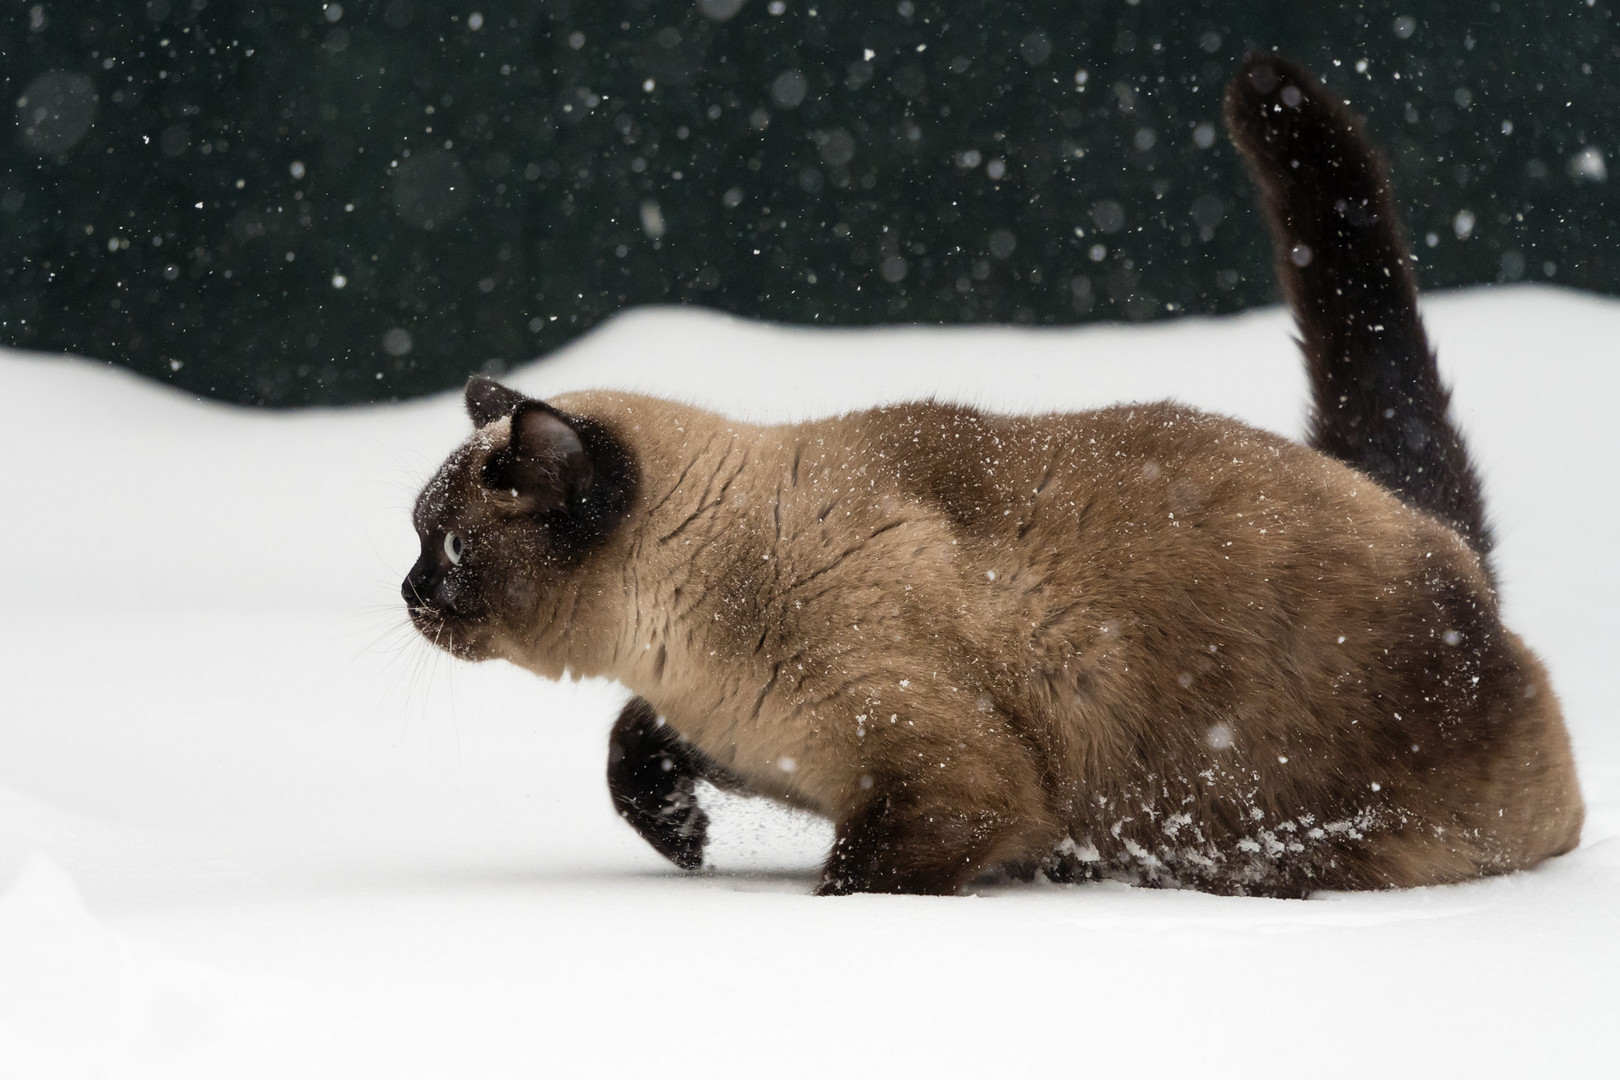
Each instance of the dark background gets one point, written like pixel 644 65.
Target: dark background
pixel 285 204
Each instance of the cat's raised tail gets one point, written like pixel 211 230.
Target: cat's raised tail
pixel 1378 403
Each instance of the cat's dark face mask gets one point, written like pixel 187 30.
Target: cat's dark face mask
pixel 500 522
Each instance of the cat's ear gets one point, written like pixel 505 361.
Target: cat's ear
pixel 488 400
pixel 545 460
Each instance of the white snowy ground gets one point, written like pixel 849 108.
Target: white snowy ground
pixel 250 828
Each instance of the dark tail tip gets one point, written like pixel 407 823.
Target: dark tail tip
pixel 1306 151
pixel 1378 402
pixel 1274 108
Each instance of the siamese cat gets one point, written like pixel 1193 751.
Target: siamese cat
pixel 1143 641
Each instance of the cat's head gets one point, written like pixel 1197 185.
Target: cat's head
pixel 506 522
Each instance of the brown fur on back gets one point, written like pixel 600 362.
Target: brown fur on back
pixel 1140 640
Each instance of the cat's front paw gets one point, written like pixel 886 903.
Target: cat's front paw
pixel 675 826
pixel 652 777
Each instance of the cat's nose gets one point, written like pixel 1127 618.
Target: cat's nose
pixel 432 590
pixel 417 588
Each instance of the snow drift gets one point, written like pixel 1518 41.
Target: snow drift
pixel 250 827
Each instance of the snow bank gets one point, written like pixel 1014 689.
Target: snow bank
pixel 306 845
pixel 78 1000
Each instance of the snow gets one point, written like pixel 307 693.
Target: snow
pixel 249 826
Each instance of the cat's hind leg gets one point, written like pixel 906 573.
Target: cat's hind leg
pixel 913 835
pixel 899 843
pixel 652 775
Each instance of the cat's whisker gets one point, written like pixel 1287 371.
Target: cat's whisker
pixel 384 630
pixel 398 646
pixel 404 485
pixel 447 659
pixel 423 664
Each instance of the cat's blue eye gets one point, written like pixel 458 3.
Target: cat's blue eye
pixel 453 547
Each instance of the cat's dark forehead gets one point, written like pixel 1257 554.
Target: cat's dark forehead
pixel 448 494
pixel 441 497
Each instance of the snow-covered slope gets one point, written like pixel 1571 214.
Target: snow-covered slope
pixel 250 827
